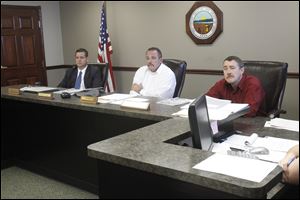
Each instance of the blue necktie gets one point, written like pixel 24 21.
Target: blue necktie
pixel 78 81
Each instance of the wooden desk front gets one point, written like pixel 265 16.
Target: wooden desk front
pixel 51 136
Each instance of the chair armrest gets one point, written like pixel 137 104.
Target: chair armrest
pixel 276 113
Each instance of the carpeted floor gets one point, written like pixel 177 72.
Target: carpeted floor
pixel 17 183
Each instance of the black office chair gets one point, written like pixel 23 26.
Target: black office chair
pixel 179 69
pixel 272 76
pixel 103 70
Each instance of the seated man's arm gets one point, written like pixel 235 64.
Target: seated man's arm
pixel 136 87
pixel 137 81
pixel 254 97
pixel 62 83
pixel 66 79
pixel 291 171
pixel 214 91
pixel 164 89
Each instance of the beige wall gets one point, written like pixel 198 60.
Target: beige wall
pixel 252 30
pixel 80 28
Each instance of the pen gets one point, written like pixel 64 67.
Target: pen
pixel 236 149
pixel 291 160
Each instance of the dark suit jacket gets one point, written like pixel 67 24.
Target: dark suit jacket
pixel 92 78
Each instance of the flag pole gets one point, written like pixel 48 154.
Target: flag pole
pixel 105 50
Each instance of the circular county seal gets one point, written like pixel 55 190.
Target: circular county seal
pixel 204 22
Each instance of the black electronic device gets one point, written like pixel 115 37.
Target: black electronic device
pixel 225 126
pixel 93 92
pixel 65 95
pixel 202 135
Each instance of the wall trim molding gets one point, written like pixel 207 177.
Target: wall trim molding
pixel 58 67
pixel 293 75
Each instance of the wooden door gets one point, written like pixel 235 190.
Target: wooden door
pixel 22 49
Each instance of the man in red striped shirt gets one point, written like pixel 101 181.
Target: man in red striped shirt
pixel 238 87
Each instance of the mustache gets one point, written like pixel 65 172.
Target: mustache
pixel 229 76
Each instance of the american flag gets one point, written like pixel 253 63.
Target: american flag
pixel 105 50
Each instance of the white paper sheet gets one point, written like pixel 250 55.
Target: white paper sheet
pixel 250 140
pixel 224 111
pixel 271 143
pixel 142 105
pixel 218 109
pixel 244 168
pixel 280 123
pixel 70 91
pixel 276 146
pixel 216 103
pixel 116 98
pixel 175 101
pixel 37 89
pixel 182 113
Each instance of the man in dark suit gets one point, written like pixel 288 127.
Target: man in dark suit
pixel 82 75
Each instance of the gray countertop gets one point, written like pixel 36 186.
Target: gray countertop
pixel 145 149
pixel 157 112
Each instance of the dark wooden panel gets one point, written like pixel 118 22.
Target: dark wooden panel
pixel 29 75
pixel 14 81
pixel 7 22
pixel 9 54
pixel 32 80
pixel 56 144
pixel 26 22
pixel 120 182
pixel 24 54
pixel 27 45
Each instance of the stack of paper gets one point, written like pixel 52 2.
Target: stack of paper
pixel 37 89
pixel 182 113
pixel 70 91
pixel 218 109
pixel 280 123
pixel 276 146
pixel 244 168
pixel 175 101
pixel 141 105
pixel 116 98
pixel 216 103
pixel 272 143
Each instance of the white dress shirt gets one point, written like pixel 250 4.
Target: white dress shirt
pixel 160 83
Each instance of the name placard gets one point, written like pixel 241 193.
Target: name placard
pixel 89 99
pixel 45 95
pixel 14 91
